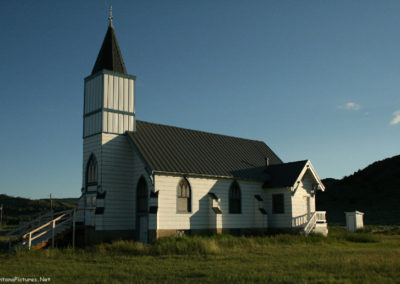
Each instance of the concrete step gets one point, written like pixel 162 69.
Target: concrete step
pixel 321 228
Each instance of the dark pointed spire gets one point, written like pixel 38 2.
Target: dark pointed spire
pixel 110 57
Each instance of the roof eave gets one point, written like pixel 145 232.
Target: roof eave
pixel 203 175
pixel 280 186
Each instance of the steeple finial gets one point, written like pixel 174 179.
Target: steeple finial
pixel 110 16
pixel 109 56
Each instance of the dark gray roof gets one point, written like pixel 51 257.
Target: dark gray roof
pixel 283 175
pixel 173 149
pixel 110 57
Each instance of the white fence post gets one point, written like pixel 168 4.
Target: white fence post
pixel 52 234
pixel 73 228
pixel 30 241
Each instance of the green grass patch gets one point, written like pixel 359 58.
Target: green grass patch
pixel 361 238
pixel 342 257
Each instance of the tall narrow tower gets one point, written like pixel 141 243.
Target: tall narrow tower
pixel 109 111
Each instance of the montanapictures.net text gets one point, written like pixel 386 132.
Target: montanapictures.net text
pixel 25 279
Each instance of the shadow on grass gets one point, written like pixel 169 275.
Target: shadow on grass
pixel 221 244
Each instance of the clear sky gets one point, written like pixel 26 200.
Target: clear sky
pixel 316 80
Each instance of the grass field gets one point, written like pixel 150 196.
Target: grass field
pixel 372 256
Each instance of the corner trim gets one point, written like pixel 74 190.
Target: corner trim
pixel 99 133
pixel 105 71
pixel 108 110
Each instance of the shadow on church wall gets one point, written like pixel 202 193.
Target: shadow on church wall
pixel 205 217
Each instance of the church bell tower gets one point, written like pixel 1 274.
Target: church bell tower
pixel 109 102
pixel 109 112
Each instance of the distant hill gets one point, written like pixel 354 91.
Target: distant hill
pixel 374 190
pixel 17 209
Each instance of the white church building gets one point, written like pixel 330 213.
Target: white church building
pixel 143 180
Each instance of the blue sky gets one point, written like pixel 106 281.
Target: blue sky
pixel 316 80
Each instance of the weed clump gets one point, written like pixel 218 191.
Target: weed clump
pixel 184 245
pixel 360 237
pixel 120 247
pixel 216 244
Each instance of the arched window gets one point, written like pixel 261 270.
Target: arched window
pixel 184 196
pixel 235 198
pixel 141 193
pixel 91 171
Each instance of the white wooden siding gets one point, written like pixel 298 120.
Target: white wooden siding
pixel 109 92
pixel 153 218
pixel 121 170
pixel 168 218
pixel 118 93
pixel 117 122
pixel 93 94
pixel 214 219
pixel 93 102
pixel 260 220
pixel 92 124
pixel 283 220
pixel 299 198
pixel 91 145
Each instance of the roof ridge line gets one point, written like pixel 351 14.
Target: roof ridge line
pixel 201 131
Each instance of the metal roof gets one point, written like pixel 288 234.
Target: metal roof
pixel 179 150
pixel 110 57
pixel 283 175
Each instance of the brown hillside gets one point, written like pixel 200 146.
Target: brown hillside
pixel 374 190
pixel 16 209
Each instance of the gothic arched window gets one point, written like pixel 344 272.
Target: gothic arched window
pixel 184 196
pixel 141 192
pixel 91 171
pixel 235 198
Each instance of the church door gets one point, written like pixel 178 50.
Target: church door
pixel 142 211
pixel 143 226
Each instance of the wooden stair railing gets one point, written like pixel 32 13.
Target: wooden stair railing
pixel 310 224
pixel 45 231
pixel 317 217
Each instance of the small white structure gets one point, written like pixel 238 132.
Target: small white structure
pixel 142 180
pixel 354 220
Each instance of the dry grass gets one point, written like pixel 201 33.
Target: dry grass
pixel 341 258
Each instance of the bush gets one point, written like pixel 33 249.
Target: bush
pixel 120 247
pixel 184 245
pixel 386 230
pixel 217 244
pixel 203 245
pixel 359 237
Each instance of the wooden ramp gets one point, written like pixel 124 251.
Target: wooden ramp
pixel 43 230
